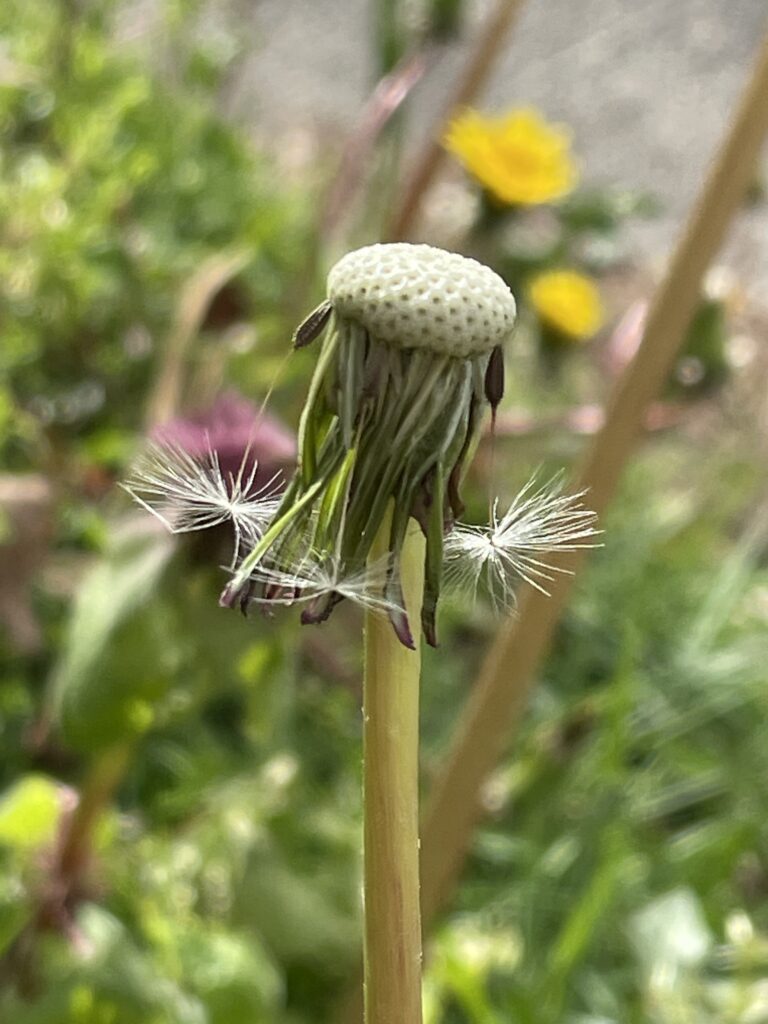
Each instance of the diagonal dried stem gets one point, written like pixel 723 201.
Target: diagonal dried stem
pixel 500 694
pixel 384 102
pixel 476 73
pixel 192 305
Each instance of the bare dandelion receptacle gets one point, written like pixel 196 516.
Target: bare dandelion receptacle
pixel 420 297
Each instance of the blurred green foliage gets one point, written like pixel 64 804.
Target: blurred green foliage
pixel 640 773
pixel 116 661
pixel 117 183
pixel 639 778
pixel 621 874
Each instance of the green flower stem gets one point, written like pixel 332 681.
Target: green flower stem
pixel 390 798
pixel 445 18
pixel 470 82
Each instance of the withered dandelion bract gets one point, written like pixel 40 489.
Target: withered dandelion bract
pixel 410 357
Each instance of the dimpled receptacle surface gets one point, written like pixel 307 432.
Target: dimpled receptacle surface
pixel 417 296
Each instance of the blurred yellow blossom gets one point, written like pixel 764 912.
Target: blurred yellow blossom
pixel 567 301
pixel 518 157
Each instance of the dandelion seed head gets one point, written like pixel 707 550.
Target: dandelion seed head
pixel 417 296
pixel 410 357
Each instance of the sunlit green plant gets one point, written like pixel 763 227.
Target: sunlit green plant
pixel 117 185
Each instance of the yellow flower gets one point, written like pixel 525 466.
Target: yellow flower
pixel 518 157
pixel 567 301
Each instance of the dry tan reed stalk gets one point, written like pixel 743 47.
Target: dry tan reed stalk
pixel 476 73
pixel 384 102
pixel 76 842
pixel 194 300
pixel 501 691
pixel 66 879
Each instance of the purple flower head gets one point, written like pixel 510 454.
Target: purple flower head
pixel 238 434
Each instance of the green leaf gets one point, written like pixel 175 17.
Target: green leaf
pixel 15 909
pixel 118 656
pixel 233 975
pixel 296 916
pixel 29 812
pixel 602 211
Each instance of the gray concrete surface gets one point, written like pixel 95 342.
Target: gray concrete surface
pixel 647 86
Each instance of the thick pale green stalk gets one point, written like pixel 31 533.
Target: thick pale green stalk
pixel 390 797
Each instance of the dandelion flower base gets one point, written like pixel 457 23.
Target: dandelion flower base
pixel 406 366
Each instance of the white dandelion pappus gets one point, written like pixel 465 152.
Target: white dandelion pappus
pixel 540 521
pixel 188 494
pixel 315 577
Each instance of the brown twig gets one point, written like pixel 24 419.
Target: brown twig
pixel 76 841
pixel 194 300
pixel 383 103
pixel 66 881
pixel 476 73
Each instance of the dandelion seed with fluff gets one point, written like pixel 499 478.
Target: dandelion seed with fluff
pixel 539 521
pixel 187 493
pixel 411 357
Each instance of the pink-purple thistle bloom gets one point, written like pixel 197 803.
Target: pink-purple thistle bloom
pixel 238 433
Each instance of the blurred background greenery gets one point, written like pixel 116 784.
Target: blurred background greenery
pixel 179 811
